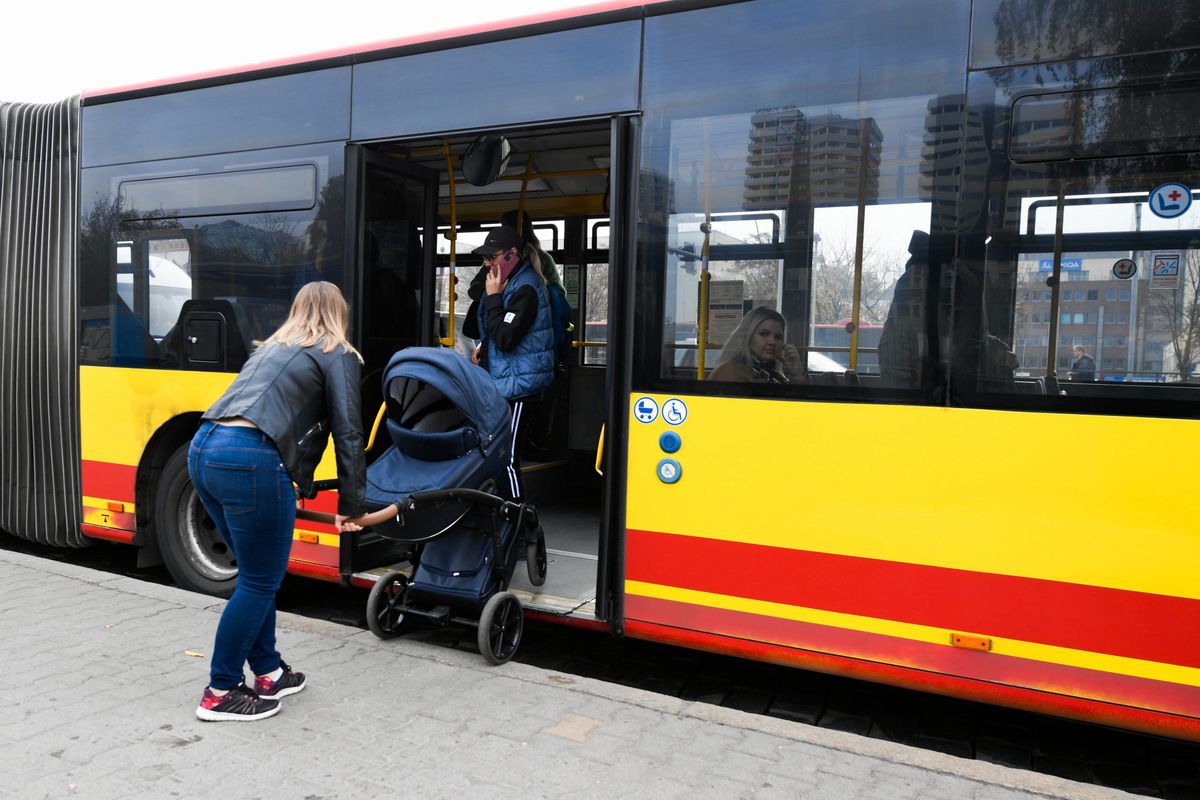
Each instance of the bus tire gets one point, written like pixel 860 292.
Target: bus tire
pixel 192 548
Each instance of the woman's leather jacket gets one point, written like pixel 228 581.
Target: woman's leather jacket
pixel 298 396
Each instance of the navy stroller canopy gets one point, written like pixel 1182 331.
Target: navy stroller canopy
pixel 447 420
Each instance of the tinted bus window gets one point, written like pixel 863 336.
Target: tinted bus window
pixel 816 166
pixel 1079 288
pixel 273 112
pixel 279 189
pixel 142 274
pixel 1133 121
pixel 1005 32
pixel 559 75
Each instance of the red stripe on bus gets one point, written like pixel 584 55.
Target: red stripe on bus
pixel 108 481
pixel 318 571
pixel 108 534
pixel 388 44
pixel 311 553
pixel 993 667
pixel 1094 711
pixel 1091 618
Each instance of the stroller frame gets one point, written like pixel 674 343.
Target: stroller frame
pixel 500 625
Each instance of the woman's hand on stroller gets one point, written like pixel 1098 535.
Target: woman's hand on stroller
pixel 344 524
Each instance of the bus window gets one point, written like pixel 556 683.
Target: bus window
pixel 163 247
pixel 595 296
pixel 1085 290
pixel 805 197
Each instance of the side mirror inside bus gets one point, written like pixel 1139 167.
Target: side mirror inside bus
pixel 485 159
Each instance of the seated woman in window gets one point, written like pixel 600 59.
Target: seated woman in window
pixel 757 353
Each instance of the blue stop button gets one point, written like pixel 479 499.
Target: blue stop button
pixel 669 470
pixel 670 442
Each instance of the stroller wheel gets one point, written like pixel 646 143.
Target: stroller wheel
pixel 500 627
pixel 386 614
pixel 535 556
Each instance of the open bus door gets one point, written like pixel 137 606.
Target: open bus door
pixel 391 215
pixel 576 183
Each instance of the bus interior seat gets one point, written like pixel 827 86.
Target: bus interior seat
pixel 585 387
pixel 204 325
pixel 132 344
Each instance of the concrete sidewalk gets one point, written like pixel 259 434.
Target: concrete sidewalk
pixel 97 693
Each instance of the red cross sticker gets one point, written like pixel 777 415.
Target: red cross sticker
pixel 1175 195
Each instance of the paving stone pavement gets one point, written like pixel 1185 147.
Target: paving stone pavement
pixel 98 684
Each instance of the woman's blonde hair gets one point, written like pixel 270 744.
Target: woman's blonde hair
pixel 737 346
pixel 319 316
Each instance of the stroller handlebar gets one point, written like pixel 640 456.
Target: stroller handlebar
pixel 411 502
pixel 366 520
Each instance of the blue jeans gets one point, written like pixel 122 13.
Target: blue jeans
pixel 248 493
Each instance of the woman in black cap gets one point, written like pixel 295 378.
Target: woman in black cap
pixel 516 341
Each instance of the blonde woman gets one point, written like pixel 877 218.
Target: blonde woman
pixel 757 352
pixel 264 434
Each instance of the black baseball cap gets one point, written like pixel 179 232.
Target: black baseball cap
pixel 501 238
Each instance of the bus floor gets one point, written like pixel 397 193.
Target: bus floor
pixel 572 543
pixel 572 536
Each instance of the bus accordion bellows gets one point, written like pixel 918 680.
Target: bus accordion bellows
pixel 887 319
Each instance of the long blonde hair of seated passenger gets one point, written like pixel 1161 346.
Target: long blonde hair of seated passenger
pixel 319 316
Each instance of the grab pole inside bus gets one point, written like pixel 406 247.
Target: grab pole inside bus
pixel 452 236
pixel 702 321
pixel 860 230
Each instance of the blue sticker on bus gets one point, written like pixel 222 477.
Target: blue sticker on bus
pixel 1170 200
pixel 674 411
pixel 645 410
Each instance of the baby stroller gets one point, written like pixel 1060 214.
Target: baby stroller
pixel 434 489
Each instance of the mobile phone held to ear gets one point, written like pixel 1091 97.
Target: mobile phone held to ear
pixel 508 264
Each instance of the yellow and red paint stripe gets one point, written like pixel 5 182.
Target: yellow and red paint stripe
pixel 121 411
pixel 862 538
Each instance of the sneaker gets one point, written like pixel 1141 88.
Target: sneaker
pixel 240 703
pixel 289 683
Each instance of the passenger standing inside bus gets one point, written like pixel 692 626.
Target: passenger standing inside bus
pixel 265 433
pixel 757 352
pixel 545 261
pixel 516 343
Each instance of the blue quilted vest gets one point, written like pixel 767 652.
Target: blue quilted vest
pixel 529 367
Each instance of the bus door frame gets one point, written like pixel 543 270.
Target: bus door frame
pixel 624 149
pixel 360 158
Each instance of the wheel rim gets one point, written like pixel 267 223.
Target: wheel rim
pixel 388 616
pixel 203 546
pixel 504 634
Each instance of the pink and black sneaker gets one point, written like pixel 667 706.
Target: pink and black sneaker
pixel 287 683
pixel 240 703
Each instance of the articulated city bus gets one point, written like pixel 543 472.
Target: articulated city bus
pixel 941 198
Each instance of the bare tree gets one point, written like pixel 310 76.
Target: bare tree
pixel 596 299
pixel 833 284
pixel 1176 313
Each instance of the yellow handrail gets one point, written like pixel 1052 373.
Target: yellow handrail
pixel 600 451
pixel 375 427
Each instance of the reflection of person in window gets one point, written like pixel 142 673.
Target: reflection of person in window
pixel 1083 367
pixel 756 352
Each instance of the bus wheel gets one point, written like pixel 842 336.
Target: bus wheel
pixel 192 548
